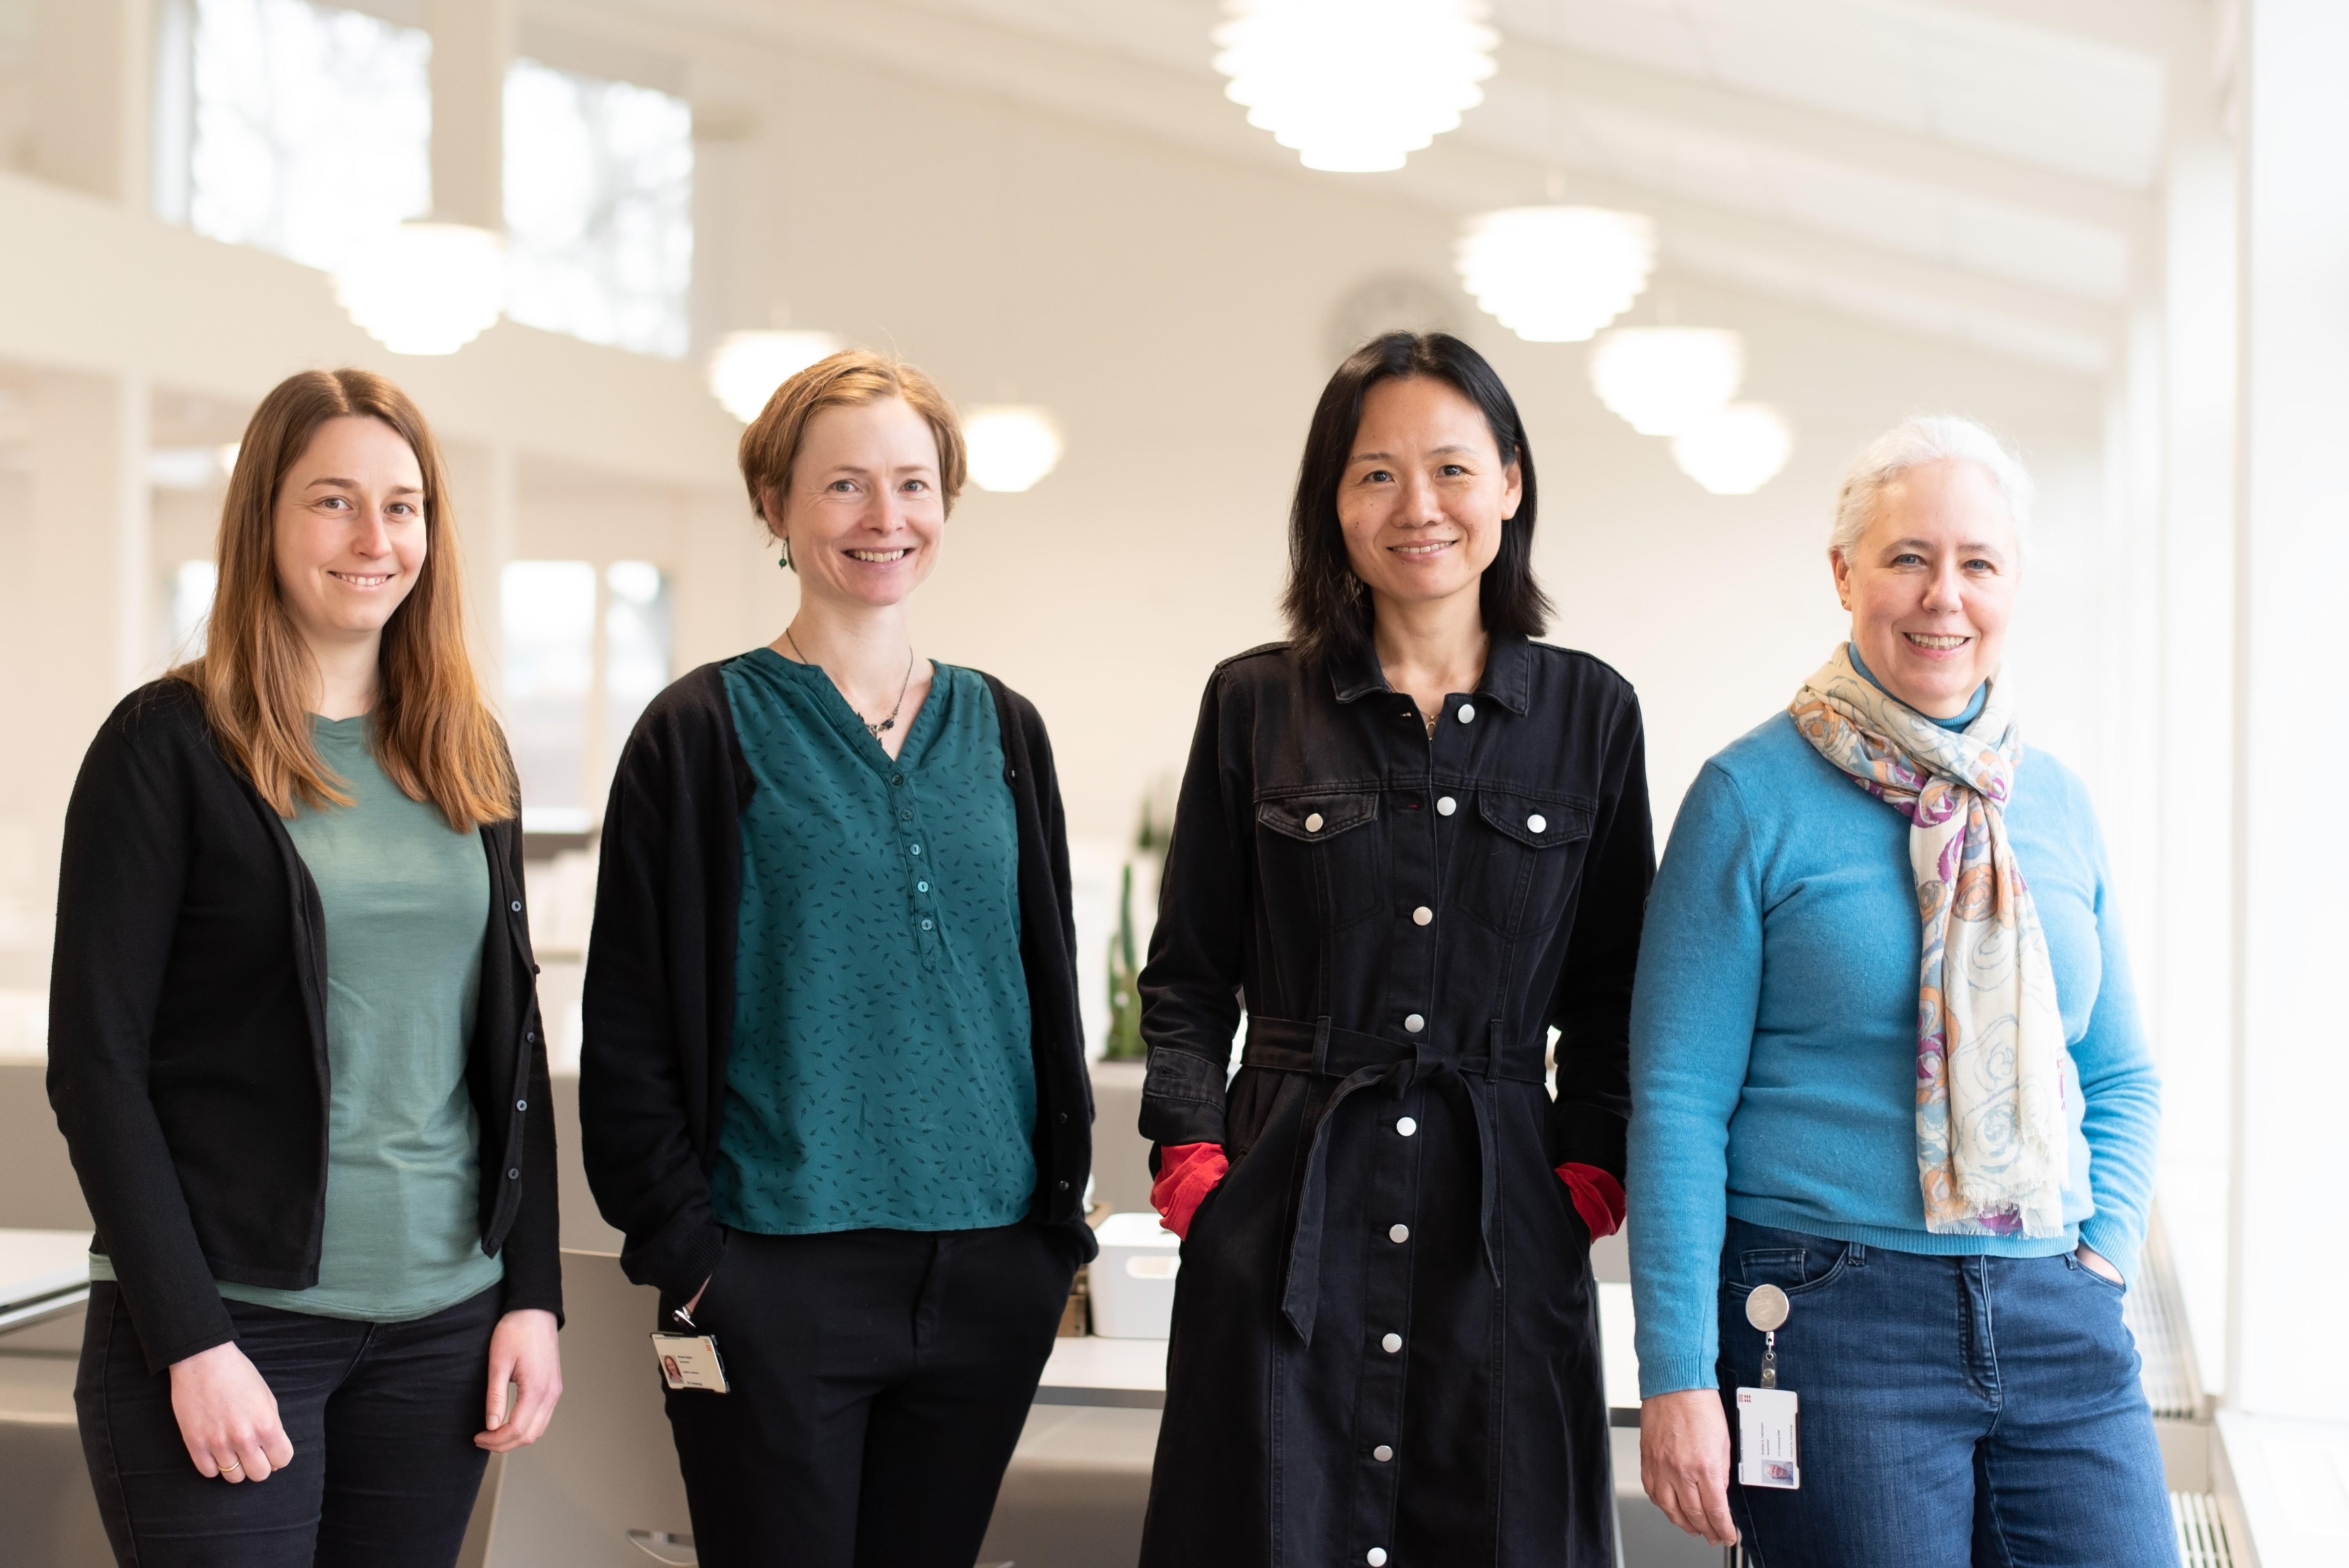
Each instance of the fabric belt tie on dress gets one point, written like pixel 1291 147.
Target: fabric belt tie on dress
pixel 1360 1062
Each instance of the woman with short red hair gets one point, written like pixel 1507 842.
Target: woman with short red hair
pixel 832 1089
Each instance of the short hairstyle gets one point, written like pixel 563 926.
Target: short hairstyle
pixel 1926 438
pixel 432 731
pixel 1328 610
pixel 849 379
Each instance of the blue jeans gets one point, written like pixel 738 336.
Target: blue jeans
pixel 1957 1412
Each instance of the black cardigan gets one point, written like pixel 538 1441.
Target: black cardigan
pixel 188 1036
pixel 660 1002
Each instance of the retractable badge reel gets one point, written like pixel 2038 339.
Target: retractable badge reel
pixel 1766 1416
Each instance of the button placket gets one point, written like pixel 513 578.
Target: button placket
pixel 1393 1190
pixel 925 913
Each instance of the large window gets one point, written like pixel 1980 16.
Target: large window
pixel 571 696
pixel 308 130
pixel 599 209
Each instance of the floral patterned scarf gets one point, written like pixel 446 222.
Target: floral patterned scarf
pixel 1991 1148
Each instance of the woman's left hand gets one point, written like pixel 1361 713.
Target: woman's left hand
pixel 521 1352
pixel 2095 1262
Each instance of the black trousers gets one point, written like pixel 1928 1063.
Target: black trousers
pixel 879 1381
pixel 381 1417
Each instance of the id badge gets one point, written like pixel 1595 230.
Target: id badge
pixel 690 1361
pixel 1766 1455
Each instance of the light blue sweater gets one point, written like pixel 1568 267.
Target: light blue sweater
pixel 1774 1052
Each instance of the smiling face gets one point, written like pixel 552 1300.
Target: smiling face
pixel 349 535
pixel 1424 492
pixel 1931 584
pixel 864 512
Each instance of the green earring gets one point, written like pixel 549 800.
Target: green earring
pixel 785 561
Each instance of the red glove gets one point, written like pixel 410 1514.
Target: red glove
pixel 1597 1197
pixel 1187 1172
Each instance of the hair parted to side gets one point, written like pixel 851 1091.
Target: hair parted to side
pixel 1925 439
pixel 1328 610
pixel 432 732
pixel 849 379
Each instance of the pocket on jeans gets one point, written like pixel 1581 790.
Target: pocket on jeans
pixel 1794 1264
pixel 2072 1260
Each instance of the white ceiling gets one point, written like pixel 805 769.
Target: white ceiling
pixel 1960 174
pixel 2026 93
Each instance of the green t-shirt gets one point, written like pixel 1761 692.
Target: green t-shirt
pixel 408 906
pixel 881 1074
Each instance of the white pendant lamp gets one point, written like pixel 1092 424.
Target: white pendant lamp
pixel 1010 447
pixel 1556 275
pixel 1355 85
pixel 1737 451
pixel 1667 380
pixel 745 368
pixel 426 287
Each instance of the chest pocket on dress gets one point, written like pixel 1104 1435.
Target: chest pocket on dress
pixel 1320 856
pixel 1520 858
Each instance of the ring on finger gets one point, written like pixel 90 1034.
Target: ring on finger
pixel 230 1468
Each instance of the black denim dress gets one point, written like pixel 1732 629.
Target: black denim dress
pixel 1385 1343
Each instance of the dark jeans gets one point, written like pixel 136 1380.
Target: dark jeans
pixel 381 1417
pixel 1956 1412
pixel 879 1382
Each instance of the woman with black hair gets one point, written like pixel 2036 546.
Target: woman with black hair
pixel 1410 843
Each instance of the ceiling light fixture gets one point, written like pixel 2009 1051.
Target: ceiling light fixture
pixel 746 367
pixel 1556 275
pixel 1737 452
pixel 1355 85
pixel 427 287
pixel 1667 380
pixel 1010 447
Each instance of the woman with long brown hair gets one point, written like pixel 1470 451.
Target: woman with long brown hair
pixel 294 1044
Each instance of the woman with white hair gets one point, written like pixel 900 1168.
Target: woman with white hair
pixel 1893 1116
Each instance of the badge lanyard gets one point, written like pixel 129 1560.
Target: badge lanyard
pixel 1766 1454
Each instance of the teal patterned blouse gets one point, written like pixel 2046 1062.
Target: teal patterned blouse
pixel 880 1075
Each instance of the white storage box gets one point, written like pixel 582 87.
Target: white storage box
pixel 1132 1283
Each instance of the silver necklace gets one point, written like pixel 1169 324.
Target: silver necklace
pixel 903 688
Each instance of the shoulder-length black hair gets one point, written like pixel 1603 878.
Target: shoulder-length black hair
pixel 1328 608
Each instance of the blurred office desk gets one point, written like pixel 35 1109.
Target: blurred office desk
pixel 47 1515
pixel 1115 1374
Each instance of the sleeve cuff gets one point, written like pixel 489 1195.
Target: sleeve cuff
pixel 2115 1240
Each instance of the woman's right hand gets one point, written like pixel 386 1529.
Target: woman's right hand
pixel 1684 1461
pixel 227 1416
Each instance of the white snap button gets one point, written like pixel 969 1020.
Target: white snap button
pixel 1376 1557
pixel 1423 915
pixel 1412 1024
pixel 1467 712
pixel 1398 1234
pixel 1406 1126
pixel 1446 806
pixel 1382 1453
pixel 1391 1344
pixel 1313 824
pixel 1538 823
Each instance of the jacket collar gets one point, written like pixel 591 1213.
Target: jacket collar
pixel 1507 678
